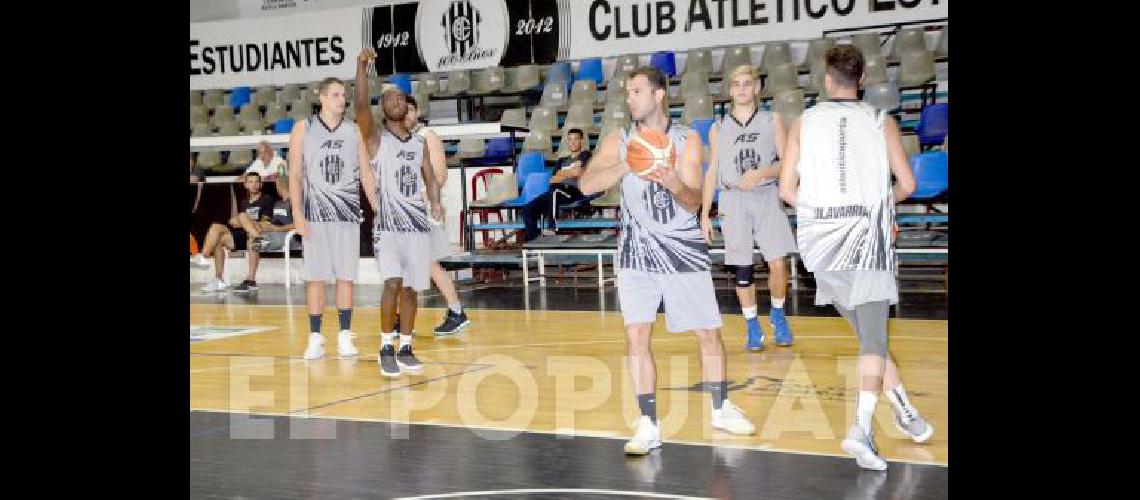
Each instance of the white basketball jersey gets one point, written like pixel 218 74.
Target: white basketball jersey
pixel 845 208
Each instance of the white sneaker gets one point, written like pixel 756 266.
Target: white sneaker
pixel 200 261
pixel 215 286
pixel 914 426
pixel 344 345
pixel 646 438
pixel 861 445
pixel 730 418
pixel 316 349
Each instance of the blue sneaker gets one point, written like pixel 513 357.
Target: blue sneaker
pixel 755 334
pixel 780 326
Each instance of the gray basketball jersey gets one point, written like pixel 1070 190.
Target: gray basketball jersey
pixel 331 164
pixel 745 146
pixel 398 167
pixel 657 235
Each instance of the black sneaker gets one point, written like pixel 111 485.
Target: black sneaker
pixel 388 365
pixel 452 323
pixel 246 286
pixel 407 360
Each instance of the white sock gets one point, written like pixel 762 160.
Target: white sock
pixel 778 303
pixel 388 338
pixel 897 397
pixel 865 409
pixel 457 308
pixel 405 340
pixel 749 312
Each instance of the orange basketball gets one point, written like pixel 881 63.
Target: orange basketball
pixel 648 150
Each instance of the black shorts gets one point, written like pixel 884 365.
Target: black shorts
pixel 240 238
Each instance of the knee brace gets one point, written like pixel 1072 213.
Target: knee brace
pixel 744 276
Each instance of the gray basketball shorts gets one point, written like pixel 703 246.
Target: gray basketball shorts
pixel 754 217
pixel 404 255
pixel 332 251
pixel 440 243
pixel 690 301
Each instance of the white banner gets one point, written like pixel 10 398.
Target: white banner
pixel 461 34
pixel 604 28
pixel 446 35
pixel 277 50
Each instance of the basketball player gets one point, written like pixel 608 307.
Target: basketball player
pixel 327 165
pixel 746 147
pixel 837 173
pixel 662 255
pixel 456 318
pixel 401 232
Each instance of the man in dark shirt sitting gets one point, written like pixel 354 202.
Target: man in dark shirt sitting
pixel 563 185
pixel 255 208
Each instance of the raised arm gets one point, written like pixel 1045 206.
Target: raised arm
pixel 361 102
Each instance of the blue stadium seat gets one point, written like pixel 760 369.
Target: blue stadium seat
pixel 239 96
pixel 530 162
pixel 702 127
pixel 591 69
pixel 933 124
pixel 403 81
pixel 536 184
pixel 283 126
pixel 664 61
pixel 931 174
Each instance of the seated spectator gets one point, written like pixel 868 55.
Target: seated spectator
pixel 563 185
pixel 197 177
pixel 268 163
pixel 246 228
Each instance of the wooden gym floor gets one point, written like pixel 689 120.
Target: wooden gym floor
pixel 538 375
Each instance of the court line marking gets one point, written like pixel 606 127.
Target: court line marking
pixel 364 359
pixel 505 346
pixel 304 412
pixel 584 342
pixel 586 491
pixel 395 388
pixel 440 309
pixel 752 447
pixel 245 330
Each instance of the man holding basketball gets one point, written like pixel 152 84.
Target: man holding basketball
pixel 662 255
